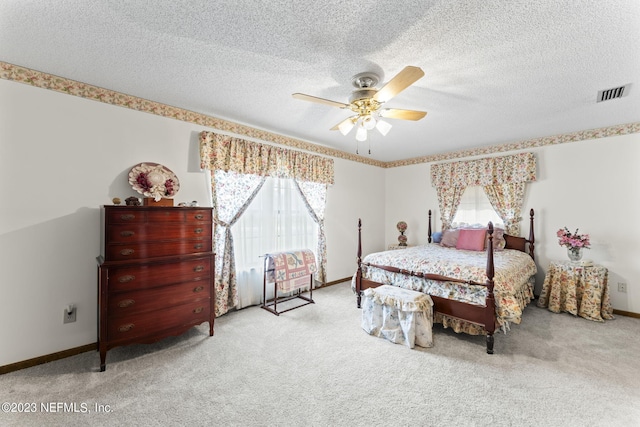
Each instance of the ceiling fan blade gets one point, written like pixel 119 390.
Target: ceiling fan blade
pixel 310 98
pixel 405 78
pixel 394 113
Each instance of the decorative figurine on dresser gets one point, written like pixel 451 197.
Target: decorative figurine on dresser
pixel 156 267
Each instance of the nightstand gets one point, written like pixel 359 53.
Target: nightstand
pixel 577 289
pixel 397 246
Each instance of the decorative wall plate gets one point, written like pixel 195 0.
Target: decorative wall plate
pixel 154 180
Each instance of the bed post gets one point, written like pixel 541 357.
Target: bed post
pixel 532 237
pixel 359 270
pixel 490 314
pixel 429 232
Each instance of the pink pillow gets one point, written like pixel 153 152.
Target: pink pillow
pixel 471 240
pixel 449 238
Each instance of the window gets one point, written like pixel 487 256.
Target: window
pixel 276 220
pixel 475 208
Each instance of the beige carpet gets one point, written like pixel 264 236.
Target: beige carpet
pixel 314 366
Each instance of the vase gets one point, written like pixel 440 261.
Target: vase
pixel 575 254
pixel 402 239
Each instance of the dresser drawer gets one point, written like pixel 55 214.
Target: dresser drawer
pixel 133 215
pixel 125 216
pixel 137 250
pixel 140 301
pixel 136 232
pixel 139 325
pixel 180 215
pixel 149 275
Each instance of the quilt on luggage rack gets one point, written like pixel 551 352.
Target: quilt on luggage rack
pixel 291 270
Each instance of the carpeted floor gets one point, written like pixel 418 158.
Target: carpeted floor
pixel 315 366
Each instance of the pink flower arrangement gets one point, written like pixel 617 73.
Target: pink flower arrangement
pixel 573 240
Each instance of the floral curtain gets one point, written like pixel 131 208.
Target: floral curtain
pixel 232 193
pixel 487 171
pixel 314 195
pixel 223 152
pixel 448 201
pixel 502 178
pixel 507 200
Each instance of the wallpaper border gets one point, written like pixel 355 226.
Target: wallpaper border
pixel 71 87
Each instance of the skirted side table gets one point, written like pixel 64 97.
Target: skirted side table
pixel 577 289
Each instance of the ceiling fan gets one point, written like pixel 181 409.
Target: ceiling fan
pixel 366 101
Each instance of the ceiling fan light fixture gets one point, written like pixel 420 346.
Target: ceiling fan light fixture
pixel 368 122
pixel 383 127
pixel 361 134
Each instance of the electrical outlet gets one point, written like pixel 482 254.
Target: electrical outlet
pixel 622 287
pixel 69 314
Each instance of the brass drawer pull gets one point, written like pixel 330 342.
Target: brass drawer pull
pixel 199 216
pixel 198 310
pixel 127 278
pixel 126 328
pixel 198 230
pixel 198 268
pixel 127 251
pixel 126 303
pixel 198 246
pixel 198 289
pixel 127 217
pixel 127 233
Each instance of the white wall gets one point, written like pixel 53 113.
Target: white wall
pixel 591 185
pixel 409 198
pixel 357 194
pixel 61 158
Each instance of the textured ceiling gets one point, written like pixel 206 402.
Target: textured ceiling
pixel 495 71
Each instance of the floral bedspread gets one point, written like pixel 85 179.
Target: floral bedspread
pixel 514 278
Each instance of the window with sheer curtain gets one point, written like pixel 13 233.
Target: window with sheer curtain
pixel 276 220
pixel 475 208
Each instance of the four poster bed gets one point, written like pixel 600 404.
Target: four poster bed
pixel 473 291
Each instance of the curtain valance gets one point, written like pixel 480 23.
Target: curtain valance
pixel 487 171
pixel 222 152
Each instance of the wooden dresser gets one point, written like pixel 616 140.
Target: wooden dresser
pixel 155 274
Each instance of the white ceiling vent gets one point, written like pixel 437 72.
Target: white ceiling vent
pixel 616 92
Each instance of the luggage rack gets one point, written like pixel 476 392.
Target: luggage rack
pixel 288 271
